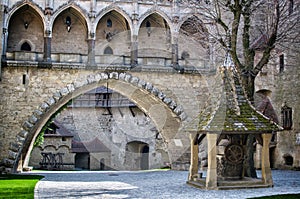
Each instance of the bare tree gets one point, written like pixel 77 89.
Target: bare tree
pixel 245 28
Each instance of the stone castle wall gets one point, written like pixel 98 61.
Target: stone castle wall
pixel 19 101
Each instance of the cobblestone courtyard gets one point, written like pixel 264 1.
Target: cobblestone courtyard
pixel 148 184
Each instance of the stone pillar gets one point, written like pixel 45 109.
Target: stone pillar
pixel 134 51
pixel 93 6
pixel 175 55
pixel 258 156
pixel 49 4
pixel 134 35
pixel 211 178
pixel 47 48
pixel 91 52
pixel 194 157
pixel 265 160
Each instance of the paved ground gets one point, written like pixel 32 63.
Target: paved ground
pixel 148 184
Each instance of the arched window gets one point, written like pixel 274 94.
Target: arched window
pixel 68 23
pixel 108 51
pixel 148 24
pixel 148 27
pixel 286 116
pixel 25 47
pixel 109 23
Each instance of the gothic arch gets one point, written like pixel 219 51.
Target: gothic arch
pixel 185 18
pixel 17 6
pixel 79 12
pixel 108 9
pixel 158 12
pixel 28 42
pixel 147 97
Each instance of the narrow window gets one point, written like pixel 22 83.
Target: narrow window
pixel 108 51
pixel 148 24
pixel 286 115
pixel 148 27
pixel 109 23
pixel 25 47
pixel 291 7
pixel 281 63
pixel 68 21
pixel 24 79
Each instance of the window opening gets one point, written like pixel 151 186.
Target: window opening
pixel 288 159
pixel 24 79
pixel 287 120
pixel 68 23
pixel 281 63
pixel 148 27
pixel 109 23
pixel 108 51
pixel 25 47
pixel 291 6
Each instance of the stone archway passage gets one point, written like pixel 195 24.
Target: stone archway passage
pixel 164 111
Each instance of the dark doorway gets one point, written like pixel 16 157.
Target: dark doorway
pixel 145 158
pixel 102 164
pixel 137 155
pixel 272 157
pixel 82 161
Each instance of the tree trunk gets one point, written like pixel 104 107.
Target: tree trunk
pixel 248 83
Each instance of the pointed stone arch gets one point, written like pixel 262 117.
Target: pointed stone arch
pixel 117 10
pixel 69 24
pixel 158 12
pixel 82 14
pixel 21 22
pixel 164 111
pixel 19 5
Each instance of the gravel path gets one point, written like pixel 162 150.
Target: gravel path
pixel 148 184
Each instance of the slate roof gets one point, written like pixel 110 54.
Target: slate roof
pixel 93 146
pixel 228 110
pixel 61 131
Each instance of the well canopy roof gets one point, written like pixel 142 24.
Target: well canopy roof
pixel 228 110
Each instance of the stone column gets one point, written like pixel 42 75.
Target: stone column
pixel 211 178
pixel 175 55
pixel 134 34
pixel 47 47
pixel 91 52
pixel 93 6
pixel 134 51
pixel 258 156
pixel 194 157
pixel 265 160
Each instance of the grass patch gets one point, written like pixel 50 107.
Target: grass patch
pixel 18 186
pixel 284 196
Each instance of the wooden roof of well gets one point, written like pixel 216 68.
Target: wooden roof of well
pixel 228 110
